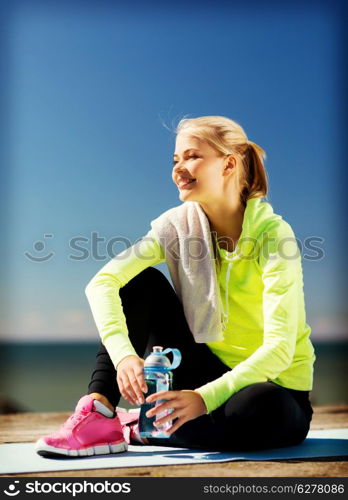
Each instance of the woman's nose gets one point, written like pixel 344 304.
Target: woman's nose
pixel 178 167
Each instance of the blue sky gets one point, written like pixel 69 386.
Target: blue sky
pixel 90 89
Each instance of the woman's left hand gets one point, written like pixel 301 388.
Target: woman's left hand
pixel 186 405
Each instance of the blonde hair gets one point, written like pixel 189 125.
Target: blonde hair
pixel 227 137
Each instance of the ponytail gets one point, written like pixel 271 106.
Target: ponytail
pixel 253 179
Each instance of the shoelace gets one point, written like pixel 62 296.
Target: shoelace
pixel 74 419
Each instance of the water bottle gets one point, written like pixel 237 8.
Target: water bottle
pixel 158 377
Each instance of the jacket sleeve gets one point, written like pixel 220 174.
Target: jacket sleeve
pixel 103 293
pixel 281 270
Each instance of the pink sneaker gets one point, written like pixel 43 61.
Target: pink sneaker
pixel 88 431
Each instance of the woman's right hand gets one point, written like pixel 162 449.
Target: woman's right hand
pixel 130 379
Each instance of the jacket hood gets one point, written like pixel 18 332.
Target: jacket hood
pixel 258 217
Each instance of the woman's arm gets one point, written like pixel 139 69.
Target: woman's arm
pixel 282 279
pixel 104 299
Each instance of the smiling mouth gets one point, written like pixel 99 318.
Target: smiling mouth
pixel 186 183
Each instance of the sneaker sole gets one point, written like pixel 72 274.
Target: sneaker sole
pixel 45 450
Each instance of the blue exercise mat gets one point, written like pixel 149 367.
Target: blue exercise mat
pixel 21 457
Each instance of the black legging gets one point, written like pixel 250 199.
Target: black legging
pixel 262 415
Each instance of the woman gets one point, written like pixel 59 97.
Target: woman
pixel 247 389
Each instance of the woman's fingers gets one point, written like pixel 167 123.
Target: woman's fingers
pixel 176 425
pixel 159 408
pixel 126 390
pixel 139 374
pixel 130 379
pixel 130 388
pixel 186 405
pixel 168 395
pixel 136 382
pixel 167 418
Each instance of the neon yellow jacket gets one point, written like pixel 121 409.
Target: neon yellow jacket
pixel 261 286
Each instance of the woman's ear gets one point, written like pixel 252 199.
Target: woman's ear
pixel 230 164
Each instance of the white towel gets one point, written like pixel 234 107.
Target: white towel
pixel 185 235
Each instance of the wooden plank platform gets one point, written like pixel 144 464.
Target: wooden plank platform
pixel 27 427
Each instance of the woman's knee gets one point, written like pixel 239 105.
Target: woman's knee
pixel 149 279
pixel 261 408
pixel 263 398
pixel 264 415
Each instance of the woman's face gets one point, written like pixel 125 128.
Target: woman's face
pixel 196 159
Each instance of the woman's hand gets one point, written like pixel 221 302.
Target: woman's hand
pixel 186 405
pixel 130 379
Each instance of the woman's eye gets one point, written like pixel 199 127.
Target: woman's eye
pixel 192 156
